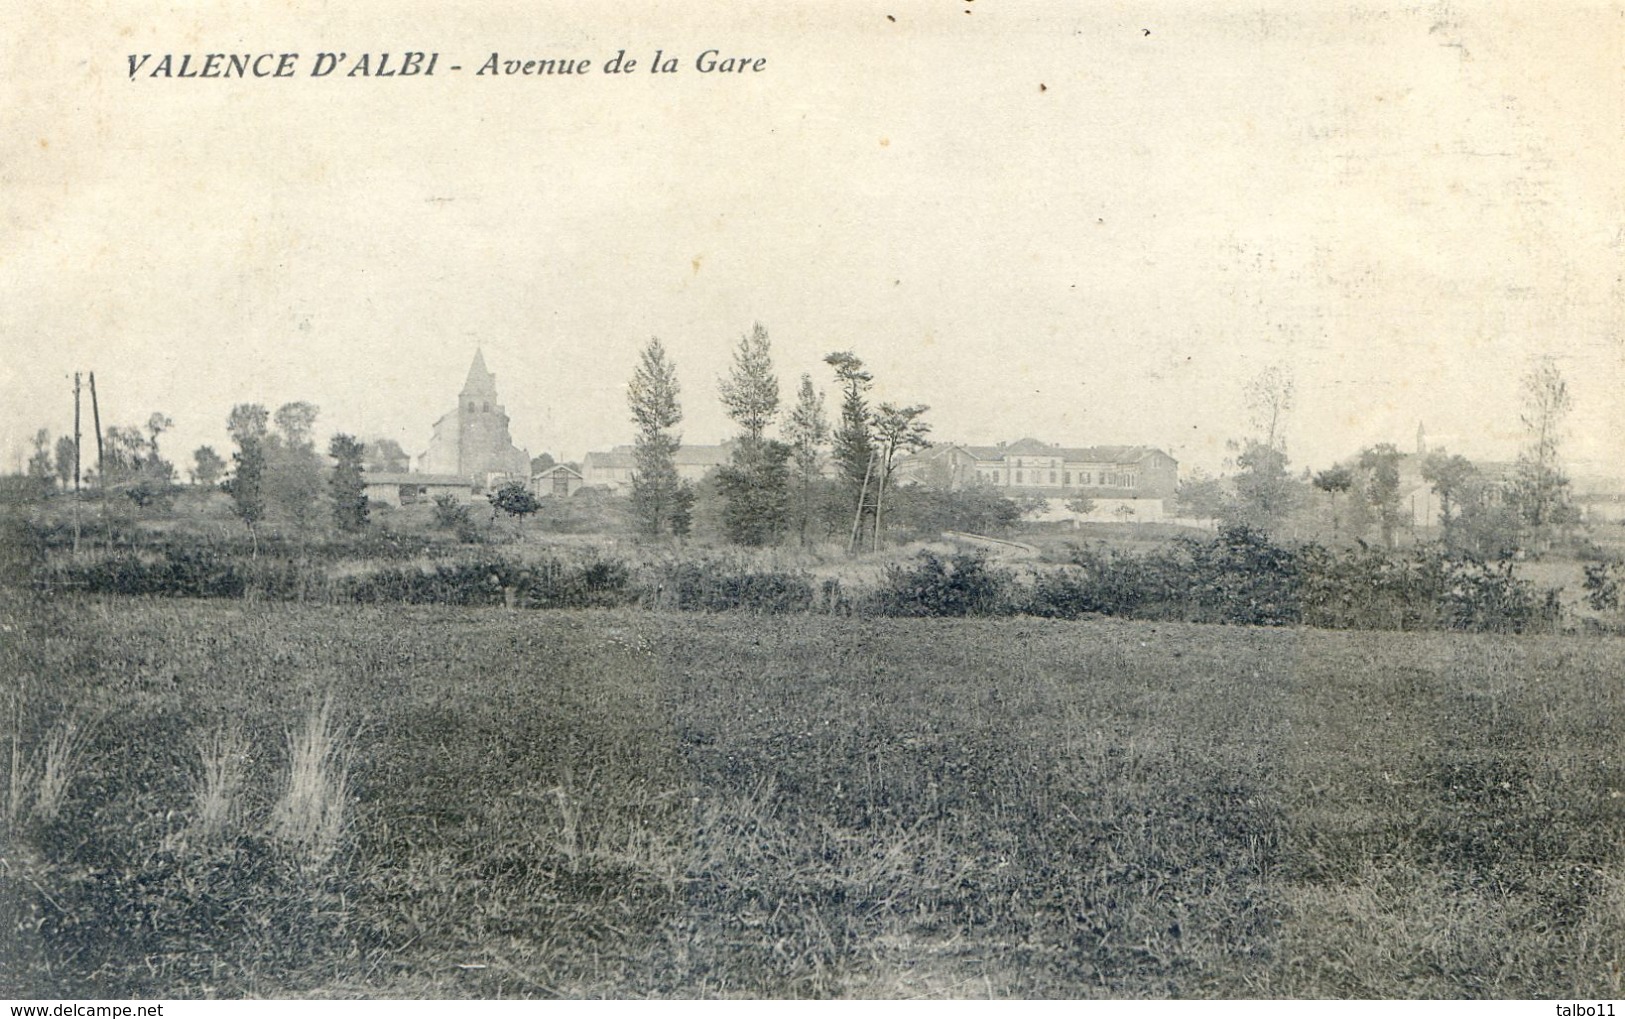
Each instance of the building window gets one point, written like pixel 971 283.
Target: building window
pixel 471 406
pixel 1068 477
pixel 1018 477
pixel 1052 477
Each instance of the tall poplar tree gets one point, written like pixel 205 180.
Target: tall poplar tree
pixel 247 425
pixel 661 502
pixel 346 485
pixel 755 483
pixel 807 429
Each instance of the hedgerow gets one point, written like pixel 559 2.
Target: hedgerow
pixel 1238 577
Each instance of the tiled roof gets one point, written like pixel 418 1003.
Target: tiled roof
pixel 394 478
pixel 1072 454
pixel 686 456
pixel 555 469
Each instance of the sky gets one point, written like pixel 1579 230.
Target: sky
pixel 1090 223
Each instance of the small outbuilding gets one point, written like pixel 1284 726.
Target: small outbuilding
pixel 559 480
pixel 405 489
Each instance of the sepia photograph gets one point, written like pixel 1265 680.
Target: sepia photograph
pixel 968 499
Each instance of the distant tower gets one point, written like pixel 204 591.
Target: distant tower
pixel 1421 440
pixel 472 440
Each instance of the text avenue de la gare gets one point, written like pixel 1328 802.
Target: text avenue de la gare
pixel 426 64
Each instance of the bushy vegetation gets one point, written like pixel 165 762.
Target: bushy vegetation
pixel 299 800
pixel 583 582
pixel 720 584
pixel 961 584
pixel 1239 577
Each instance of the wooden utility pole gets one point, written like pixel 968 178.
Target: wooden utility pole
pixel 101 470
pixel 863 496
pixel 76 458
pixel 880 498
pixel 96 419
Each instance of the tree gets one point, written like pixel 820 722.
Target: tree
pixel 541 462
pixel 515 499
pixel 1264 491
pixel 132 463
pixel 247 421
pixel 1379 466
pixel 1202 497
pixel 754 487
pixel 853 443
pixel 157 424
pixel 1453 478
pixel 755 484
pixel 1082 505
pixel 1269 399
pixel 124 452
pixel 1333 481
pixel 207 466
pixel 67 458
pixel 1472 514
pixel 297 423
pixel 1541 490
pixel 661 501
pixel 40 469
pixel 750 393
pixel 345 484
pixel 293 468
pixel 247 424
pixel 807 429
pixel 385 456
pixel 896 430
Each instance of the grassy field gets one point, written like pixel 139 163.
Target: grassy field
pixel 220 798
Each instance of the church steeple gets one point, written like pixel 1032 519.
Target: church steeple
pixel 480 382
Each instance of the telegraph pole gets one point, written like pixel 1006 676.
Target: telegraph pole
pixel 96 418
pixel 101 472
pixel 863 496
pixel 76 437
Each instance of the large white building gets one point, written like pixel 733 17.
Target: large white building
pixel 1031 467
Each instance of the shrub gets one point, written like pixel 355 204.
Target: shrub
pixel 451 515
pixel 1241 578
pixel 715 585
pixel 1426 588
pixel 594 582
pixel 961 584
pixel 1602 584
pixel 1100 582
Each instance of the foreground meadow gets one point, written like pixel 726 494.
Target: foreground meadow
pixel 223 798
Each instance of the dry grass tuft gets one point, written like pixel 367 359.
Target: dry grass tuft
pixel 218 784
pixel 37 784
pixel 63 750
pixel 311 812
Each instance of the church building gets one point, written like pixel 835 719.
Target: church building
pixel 472 441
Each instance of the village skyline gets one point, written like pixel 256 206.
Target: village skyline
pixel 1500 443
